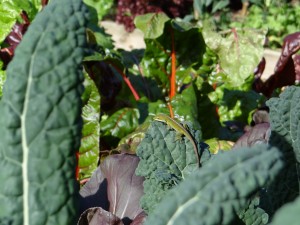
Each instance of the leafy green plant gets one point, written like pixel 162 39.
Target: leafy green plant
pixel 279 17
pixel 185 71
pixel 165 161
pixel 222 187
pixel 40 119
pixel 99 8
pixel 243 186
pixel 208 6
pixel 10 12
pixel 89 149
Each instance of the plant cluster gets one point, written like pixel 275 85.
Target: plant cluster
pixel 51 103
pixel 278 17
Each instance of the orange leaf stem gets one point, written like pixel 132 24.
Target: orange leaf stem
pixel 127 81
pixel 171 110
pixel 173 68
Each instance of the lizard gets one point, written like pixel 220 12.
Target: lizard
pixel 178 128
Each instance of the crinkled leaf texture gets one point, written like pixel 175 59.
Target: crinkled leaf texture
pixel 253 214
pixel 285 127
pixel 40 122
pixel 89 149
pixel 221 188
pixel 239 52
pixel 285 118
pixel 121 123
pixel 113 193
pixel 166 159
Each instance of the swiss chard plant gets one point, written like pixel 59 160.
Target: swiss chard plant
pixel 71 101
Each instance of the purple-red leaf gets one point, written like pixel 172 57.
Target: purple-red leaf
pixel 286 71
pixel 255 135
pixel 98 216
pixel 139 219
pixel 13 39
pixel 44 3
pixel 115 187
pixel 124 187
pixel 259 133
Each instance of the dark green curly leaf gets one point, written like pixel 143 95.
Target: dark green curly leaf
pixel 166 159
pixel 285 118
pixel 40 122
pixel 222 187
pixel 285 127
pixel 253 214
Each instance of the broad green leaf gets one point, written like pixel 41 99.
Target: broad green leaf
pixel 215 145
pixel 222 187
pixel 98 36
pixel 156 62
pixel 10 13
pixel 220 5
pixel 152 24
pixel 239 52
pixel 120 124
pixel 166 159
pixel 37 4
pixel 185 106
pixel 89 149
pixel 288 214
pixel 8 16
pixel 40 124
pixel 207 113
pixel 234 104
pixel 98 8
